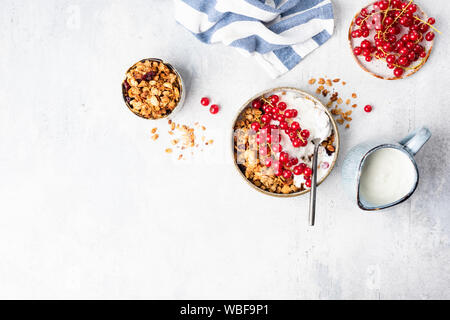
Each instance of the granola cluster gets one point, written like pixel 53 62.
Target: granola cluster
pixel 248 159
pixel 152 89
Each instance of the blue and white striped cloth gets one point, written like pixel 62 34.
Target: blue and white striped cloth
pixel 278 33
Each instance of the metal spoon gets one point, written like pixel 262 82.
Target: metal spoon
pixel 312 196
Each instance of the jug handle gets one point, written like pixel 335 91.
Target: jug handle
pixel 416 140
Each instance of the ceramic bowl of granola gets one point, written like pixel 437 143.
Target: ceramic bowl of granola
pixel 153 89
pixel 272 141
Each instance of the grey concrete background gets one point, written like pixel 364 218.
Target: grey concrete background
pixel 90 207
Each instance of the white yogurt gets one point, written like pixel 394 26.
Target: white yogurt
pixel 316 121
pixel 387 176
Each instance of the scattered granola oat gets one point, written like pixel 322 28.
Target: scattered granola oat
pixel 312 81
pixel 154 130
pixel 334 100
pixel 168 150
pixel 155 137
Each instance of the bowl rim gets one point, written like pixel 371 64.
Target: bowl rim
pixel 317 102
pixel 405 75
pixel 182 91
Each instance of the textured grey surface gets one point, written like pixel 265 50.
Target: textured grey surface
pixel 92 208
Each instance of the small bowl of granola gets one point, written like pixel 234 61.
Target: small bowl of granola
pixel 272 141
pixel 153 89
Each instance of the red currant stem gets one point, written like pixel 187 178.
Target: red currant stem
pixel 430 25
pixel 396 18
pixel 367 17
pixel 267 101
pixel 386 12
pixel 301 138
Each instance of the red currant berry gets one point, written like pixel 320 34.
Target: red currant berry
pixel 297 143
pixel 256 104
pixel 287 174
pixel 277 166
pixel 403 61
pixel 308 183
pixel 424 28
pixel 383 5
pixel 388 21
pixel 282 106
pixel 288 113
pixel 293 161
pixel 267 108
pixel 305 134
pixel 307 171
pixel 263 151
pixel 429 36
pixel 256 126
pixel 366 52
pixel 368 108
pixel 277 148
pixel 423 54
pixel 294 113
pixel 392 38
pixel 298 170
pixel 390 59
pixel 411 56
pixel 357 51
pixel 356 33
pixel 266 118
pixel 413 35
pixel 366 44
pixel 280 117
pixel 274 99
pixel 398 72
pixel 368 58
pixel 275 110
pixel 268 162
pixel 214 109
pixel 204 101
pixel 431 20
pixel 284 157
pixel 283 125
pixel 295 125
pixel 412 8
pixel 418 49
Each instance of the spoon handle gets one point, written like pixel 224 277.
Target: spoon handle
pixel 312 196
